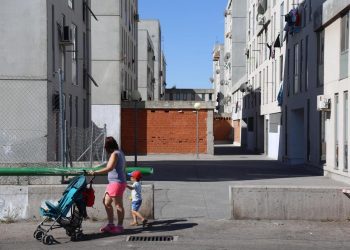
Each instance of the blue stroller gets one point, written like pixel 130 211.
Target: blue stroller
pixel 74 200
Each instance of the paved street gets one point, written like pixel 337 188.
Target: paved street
pixel 191 201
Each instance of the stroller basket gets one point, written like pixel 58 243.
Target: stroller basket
pixel 58 216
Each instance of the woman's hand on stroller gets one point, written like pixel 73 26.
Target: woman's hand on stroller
pixel 91 172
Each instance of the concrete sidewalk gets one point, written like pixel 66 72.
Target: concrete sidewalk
pixel 193 234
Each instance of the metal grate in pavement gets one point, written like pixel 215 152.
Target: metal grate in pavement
pixel 163 238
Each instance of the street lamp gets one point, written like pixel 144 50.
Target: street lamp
pixel 135 97
pixel 197 107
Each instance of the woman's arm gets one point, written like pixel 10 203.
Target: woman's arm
pixel 109 167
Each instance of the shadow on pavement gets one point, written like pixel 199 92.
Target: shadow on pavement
pixel 154 226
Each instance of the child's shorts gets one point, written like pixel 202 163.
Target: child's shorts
pixel 115 189
pixel 135 205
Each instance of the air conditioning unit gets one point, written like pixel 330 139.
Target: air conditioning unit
pixel 323 103
pixel 66 37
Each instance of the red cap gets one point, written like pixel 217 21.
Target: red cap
pixel 136 174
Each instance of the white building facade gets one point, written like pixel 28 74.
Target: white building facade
pixel 333 29
pixel 114 60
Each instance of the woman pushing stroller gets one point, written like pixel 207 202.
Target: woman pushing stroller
pixel 116 187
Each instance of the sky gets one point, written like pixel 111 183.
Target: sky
pixel 190 29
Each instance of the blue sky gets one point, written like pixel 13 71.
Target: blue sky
pixel 190 29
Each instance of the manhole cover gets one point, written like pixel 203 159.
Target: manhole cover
pixel 152 238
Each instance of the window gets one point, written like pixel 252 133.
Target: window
pixel 171 97
pixel 76 112
pixel 346 129
pixel 306 63
pixel 193 97
pixel 70 111
pixel 320 58
pixel 210 97
pixel 71 4
pixel 184 96
pixel 336 134
pixel 288 72
pixel 301 64
pixel 74 55
pixel 281 68
pixel 344 46
pixel 296 68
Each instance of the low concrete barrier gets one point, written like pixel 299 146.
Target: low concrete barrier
pixel 23 202
pixel 289 203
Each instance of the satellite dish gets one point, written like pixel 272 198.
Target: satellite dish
pixel 211 79
pixel 217 71
pixel 244 87
pixel 222 82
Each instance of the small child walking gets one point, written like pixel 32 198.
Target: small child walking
pixel 136 198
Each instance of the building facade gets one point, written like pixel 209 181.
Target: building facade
pixel 333 118
pixel 146 58
pixel 303 82
pixel 39 37
pixel 114 60
pixel 217 79
pixel 189 95
pixel 154 30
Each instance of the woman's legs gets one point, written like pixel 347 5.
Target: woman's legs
pixel 107 202
pixel 118 202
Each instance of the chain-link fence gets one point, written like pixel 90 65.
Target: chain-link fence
pixel 33 129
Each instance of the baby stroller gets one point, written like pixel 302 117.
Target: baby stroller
pixel 76 197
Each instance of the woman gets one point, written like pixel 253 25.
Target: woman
pixel 116 187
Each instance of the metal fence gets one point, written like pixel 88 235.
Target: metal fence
pixel 32 130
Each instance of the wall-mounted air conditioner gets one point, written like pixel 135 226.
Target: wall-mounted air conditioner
pixel 323 103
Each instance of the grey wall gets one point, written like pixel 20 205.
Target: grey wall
pixel 154 30
pixel 239 29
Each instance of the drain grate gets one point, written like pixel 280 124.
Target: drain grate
pixel 152 238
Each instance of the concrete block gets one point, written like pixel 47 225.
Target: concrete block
pixel 289 203
pixel 23 202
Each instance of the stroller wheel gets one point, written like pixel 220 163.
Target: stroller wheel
pixel 48 239
pixel 38 234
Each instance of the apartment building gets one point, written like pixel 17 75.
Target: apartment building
pixel 154 30
pixel 264 53
pixel 218 77
pixel 163 75
pixel 146 59
pixel 39 37
pixel 301 137
pixel 114 60
pixel 174 94
pixel 332 25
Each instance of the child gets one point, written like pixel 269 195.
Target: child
pixel 136 198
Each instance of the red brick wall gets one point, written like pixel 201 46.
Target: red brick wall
pixel 161 131
pixel 222 129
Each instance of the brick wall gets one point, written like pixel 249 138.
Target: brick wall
pixel 223 129
pixel 163 131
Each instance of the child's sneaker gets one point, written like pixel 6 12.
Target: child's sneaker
pixel 108 228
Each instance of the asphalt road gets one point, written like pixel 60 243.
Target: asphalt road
pixel 191 202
